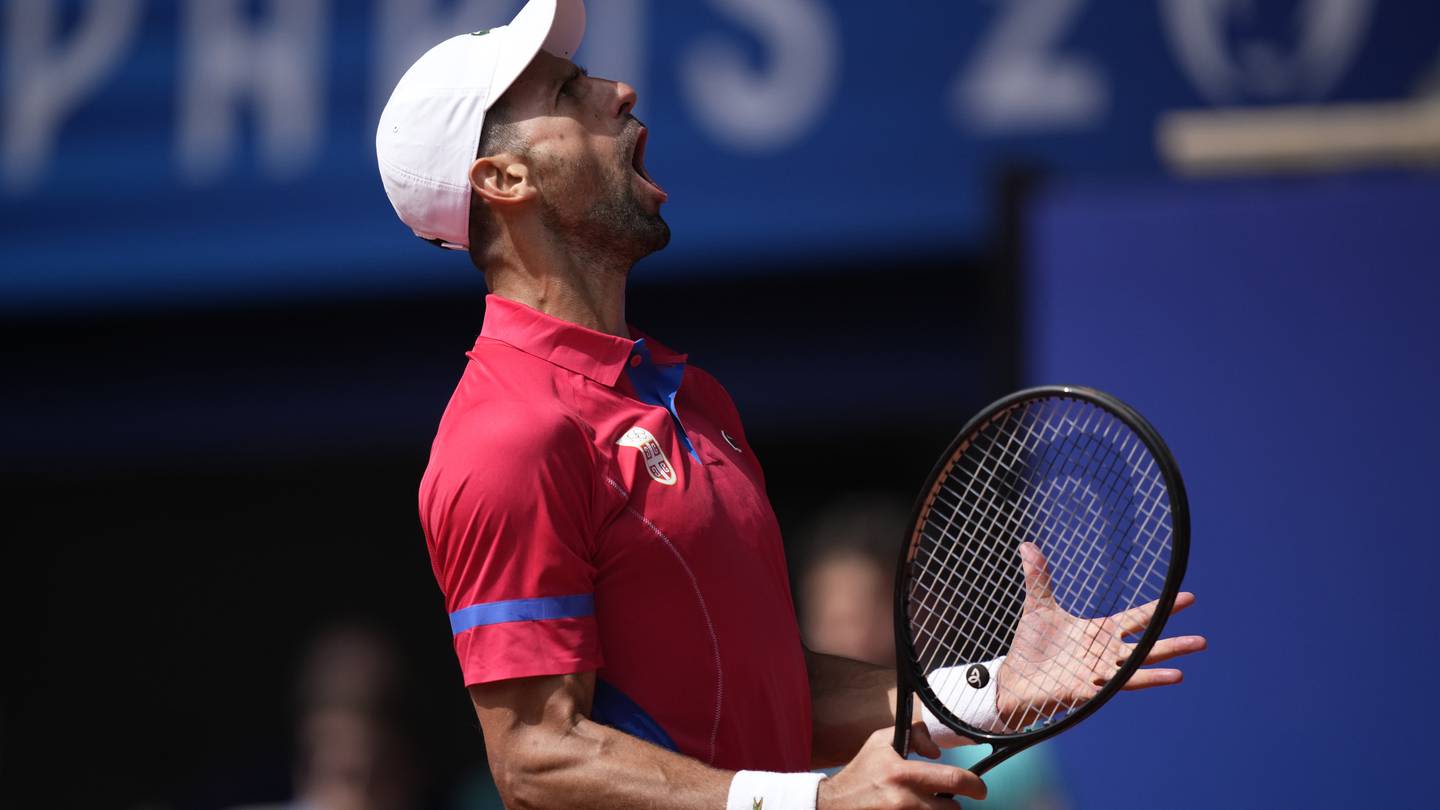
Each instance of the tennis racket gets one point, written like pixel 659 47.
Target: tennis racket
pixel 1047 552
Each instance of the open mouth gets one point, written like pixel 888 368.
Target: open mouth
pixel 638 162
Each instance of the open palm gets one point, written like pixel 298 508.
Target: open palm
pixel 1058 661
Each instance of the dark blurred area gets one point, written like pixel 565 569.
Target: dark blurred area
pixel 225 360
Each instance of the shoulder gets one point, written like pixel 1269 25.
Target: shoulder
pixel 508 425
pixel 699 377
pixel 507 396
pixel 497 369
pixel 503 457
pixel 707 386
pixel 510 412
pixel 498 432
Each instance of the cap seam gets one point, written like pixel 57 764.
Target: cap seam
pixel 429 181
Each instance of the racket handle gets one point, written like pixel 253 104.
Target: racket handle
pixel 904 710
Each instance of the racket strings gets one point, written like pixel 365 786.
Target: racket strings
pixel 1083 529
pixel 1086 524
pixel 992 515
pixel 969 629
pixel 1010 454
pixel 1078 483
pixel 1013 525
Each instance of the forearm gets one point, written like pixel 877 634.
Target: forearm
pixel 850 700
pixel 546 753
pixel 594 766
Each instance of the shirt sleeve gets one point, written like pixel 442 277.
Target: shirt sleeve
pixel 507 508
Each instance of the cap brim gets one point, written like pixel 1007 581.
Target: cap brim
pixel 557 26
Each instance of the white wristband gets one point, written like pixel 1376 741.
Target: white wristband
pixel 763 790
pixel 968 691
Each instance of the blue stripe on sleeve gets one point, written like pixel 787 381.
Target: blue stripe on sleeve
pixel 522 610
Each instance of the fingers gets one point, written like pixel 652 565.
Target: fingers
pixel 1135 620
pixel 1168 648
pixel 932 778
pixel 1150 678
pixel 878 777
pixel 922 743
pixel 1037 575
pixel 1164 650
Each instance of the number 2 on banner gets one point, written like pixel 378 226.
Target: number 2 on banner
pixel 1019 80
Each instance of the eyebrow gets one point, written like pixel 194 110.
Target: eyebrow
pixel 560 81
pixel 566 78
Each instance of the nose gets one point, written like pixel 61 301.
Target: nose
pixel 625 99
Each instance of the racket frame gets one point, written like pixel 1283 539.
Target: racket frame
pixel 910 682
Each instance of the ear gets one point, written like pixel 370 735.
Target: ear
pixel 502 179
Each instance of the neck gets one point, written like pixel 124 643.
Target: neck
pixel 583 289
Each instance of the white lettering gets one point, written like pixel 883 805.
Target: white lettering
pixel 278 66
pixel 45 83
pixel 1018 80
pixel 1224 70
pixel 765 110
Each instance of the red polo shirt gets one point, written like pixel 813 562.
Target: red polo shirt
pixel 591 504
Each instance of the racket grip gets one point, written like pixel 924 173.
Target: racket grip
pixel 904 711
pixel 904 714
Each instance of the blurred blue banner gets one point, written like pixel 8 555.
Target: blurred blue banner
pixel 219 149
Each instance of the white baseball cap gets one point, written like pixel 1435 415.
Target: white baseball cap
pixel 430 129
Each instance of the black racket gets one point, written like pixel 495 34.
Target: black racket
pixel 1053 529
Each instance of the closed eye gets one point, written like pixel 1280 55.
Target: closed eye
pixel 570 80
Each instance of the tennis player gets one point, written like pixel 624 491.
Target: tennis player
pixel 596 519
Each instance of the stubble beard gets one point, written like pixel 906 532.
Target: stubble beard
pixel 615 231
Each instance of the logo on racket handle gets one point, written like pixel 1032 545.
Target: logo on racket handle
pixel 977 676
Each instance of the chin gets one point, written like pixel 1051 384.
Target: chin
pixel 647 232
pixel 617 226
pixel 659 237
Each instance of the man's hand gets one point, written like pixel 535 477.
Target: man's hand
pixel 878 779
pixel 1059 661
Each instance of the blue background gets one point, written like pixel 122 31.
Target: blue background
pixel 885 164
pixel 1282 337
